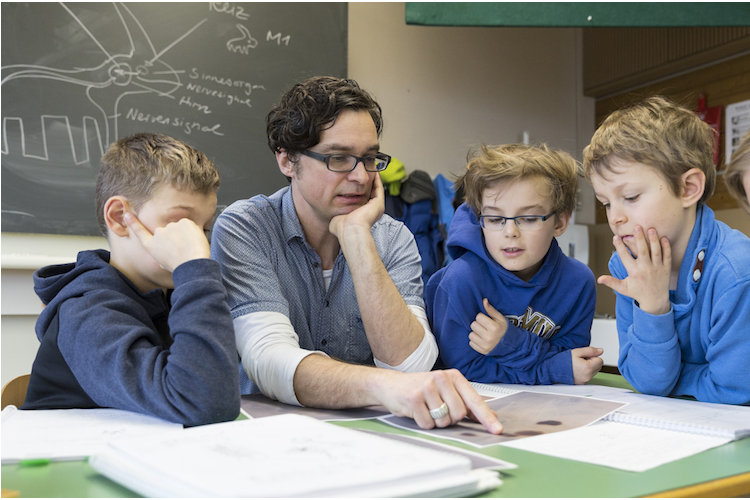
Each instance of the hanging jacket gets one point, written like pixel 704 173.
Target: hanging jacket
pixel 418 214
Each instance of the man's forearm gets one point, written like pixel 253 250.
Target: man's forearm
pixel 325 383
pixel 392 330
pixel 321 382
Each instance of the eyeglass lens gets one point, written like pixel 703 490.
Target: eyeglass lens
pixel 345 163
pixel 523 223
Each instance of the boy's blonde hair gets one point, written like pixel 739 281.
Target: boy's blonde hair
pixel 738 165
pixel 658 133
pixel 134 167
pixel 512 162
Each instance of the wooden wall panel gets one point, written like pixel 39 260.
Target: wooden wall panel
pixel 617 59
pixel 724 83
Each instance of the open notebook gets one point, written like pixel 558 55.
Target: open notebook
pixel 286 456
pixel 709 419
pixel 648 432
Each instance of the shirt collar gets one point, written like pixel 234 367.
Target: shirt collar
pixel 290 221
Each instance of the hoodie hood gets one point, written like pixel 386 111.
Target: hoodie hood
pixel 91 271
pixel 466 237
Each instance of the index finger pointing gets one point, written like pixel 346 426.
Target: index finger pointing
pixel 477 407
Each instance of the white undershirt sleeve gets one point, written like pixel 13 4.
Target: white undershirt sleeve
pixel 424 356
pixel 270 352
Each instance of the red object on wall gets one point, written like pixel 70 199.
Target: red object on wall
pixel 712 116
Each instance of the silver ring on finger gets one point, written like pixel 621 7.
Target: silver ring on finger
pixel 439 413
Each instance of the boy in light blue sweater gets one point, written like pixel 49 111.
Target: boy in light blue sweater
pixel 681 277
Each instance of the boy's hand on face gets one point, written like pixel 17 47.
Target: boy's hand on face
pixel 488 329
pixel 364 216
pixel 648 275
pixel 173 244
pixel 586 363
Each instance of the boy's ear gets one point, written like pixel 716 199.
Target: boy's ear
pixel 285 163
pixel 562 223
pixel 114 212
pixel 693 186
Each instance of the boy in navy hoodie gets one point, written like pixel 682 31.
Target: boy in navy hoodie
pixel 512 307
pixel 145 327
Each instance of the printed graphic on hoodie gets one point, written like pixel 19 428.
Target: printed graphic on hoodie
pixel 535 322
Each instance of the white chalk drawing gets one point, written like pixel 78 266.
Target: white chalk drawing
pixel 141 70
pixel 76 77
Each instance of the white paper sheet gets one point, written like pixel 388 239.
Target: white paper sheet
pixel 587 390
pixel 71 434
pixel 287 456
pixel 622 446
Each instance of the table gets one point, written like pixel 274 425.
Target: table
pixel 719 472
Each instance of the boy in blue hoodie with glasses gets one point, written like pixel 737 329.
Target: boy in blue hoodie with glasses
pixel 511 307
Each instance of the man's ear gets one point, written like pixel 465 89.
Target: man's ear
pixel 285 164
pixel 114 212
pixel 693 186
pixel 562 223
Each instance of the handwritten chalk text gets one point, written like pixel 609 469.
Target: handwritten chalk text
pixel 219 94
pixel 246 87
pixel 270 36
pixel 187 101
pixel 229 8
pixel 187 126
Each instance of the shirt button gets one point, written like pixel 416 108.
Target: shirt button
pixel 328 303
pixel 323 342
pixel 701 255
pixel 696 275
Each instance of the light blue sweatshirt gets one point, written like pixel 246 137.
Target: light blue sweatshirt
pixel 701 347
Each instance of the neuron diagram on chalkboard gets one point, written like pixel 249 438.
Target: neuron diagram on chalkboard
pixel 76 77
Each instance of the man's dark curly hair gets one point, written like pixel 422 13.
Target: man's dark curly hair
pixel 310 107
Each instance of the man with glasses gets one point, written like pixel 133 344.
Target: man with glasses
pixel 512 307
pixel 325 289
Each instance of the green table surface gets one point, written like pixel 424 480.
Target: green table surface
pixel 536 476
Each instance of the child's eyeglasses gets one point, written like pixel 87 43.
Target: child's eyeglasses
pixel 523 222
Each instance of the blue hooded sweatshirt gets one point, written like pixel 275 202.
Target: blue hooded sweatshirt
pixel 701 347
pixel 104 343
pixel 547 316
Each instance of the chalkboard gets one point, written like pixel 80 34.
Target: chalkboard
pixel 78 76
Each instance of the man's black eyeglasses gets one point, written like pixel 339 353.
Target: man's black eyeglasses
pixel 340 162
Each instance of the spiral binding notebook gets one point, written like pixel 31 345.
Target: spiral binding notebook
pixel 286 456
pixel 708 419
